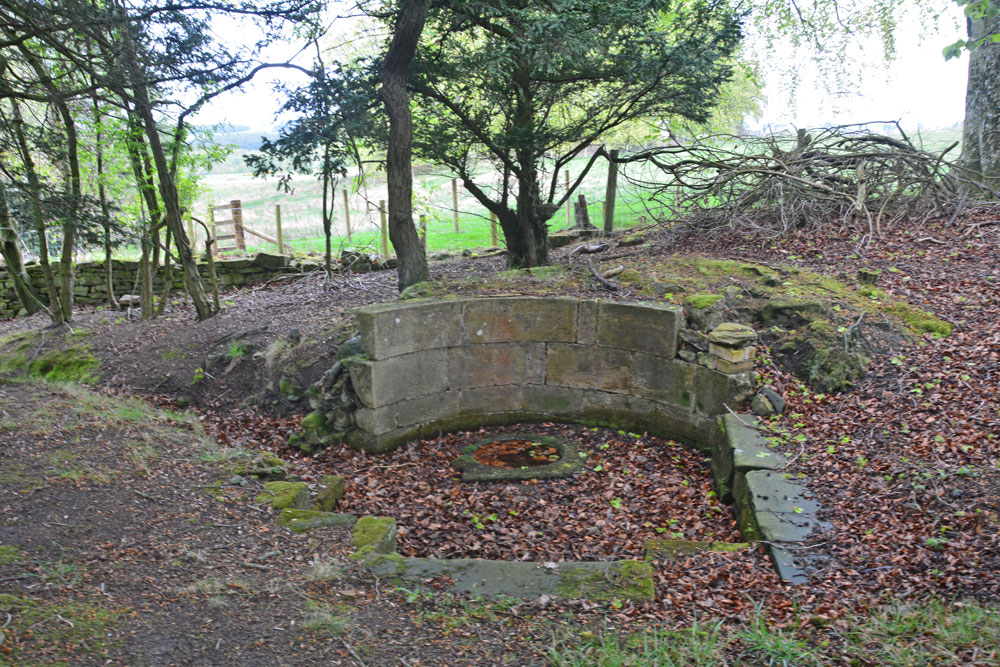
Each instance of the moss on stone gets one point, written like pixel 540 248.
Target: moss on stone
pixel 702 300
pixel 333 491
pixel 314 421
pixel 673 549
pixel 290 389
pixel 373 535
pixel 624 580
pixel 263 465
pixel 918 321
pixel 301 521
pixel 281 495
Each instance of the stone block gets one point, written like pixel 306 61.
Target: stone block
pixel 731 368
pixel 555 401
pixel 732 334
pixel 748 446
pixel 588 367
pixel 421 410
pixel 390 330
pixel 301 521
pixel 733 355
pixel 231 279
pixel 623 411
pixel 485 400
pixel 586 322
pixel 230 265
pixel 520 319
pixel 643 327
pixel 715 390
pixel 333 490
pixel 496 364
pixel 381 383
pixel 374 535
pixel 281 495
pixel 270 261
pixel 664 380
pixel 772 507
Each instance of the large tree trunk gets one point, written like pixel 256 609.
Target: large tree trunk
pixel 399 176
pixel 35 195
pixel 981 141
pixel 12 257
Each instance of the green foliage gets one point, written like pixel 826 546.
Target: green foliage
pixel 518 83
pixel 975 10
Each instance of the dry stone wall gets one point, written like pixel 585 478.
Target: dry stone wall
pixel 90 287
pixel 432 366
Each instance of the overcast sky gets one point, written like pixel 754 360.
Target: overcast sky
pixel 919 88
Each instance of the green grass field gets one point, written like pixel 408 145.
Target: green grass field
pixel 301 215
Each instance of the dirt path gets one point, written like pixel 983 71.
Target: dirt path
pixel 123 544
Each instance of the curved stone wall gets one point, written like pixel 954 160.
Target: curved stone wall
pixel 433 366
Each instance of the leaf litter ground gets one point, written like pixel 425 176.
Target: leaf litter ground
pixel 905 466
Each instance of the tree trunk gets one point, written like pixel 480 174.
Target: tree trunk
pixel 35 193
pixel 69 225
pixel 981 140
pixel 12 257
pixel 167 186
pixel 109 276
pixel 399 177
pixel 141 169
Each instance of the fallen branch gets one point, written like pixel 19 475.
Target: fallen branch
pixel 607 284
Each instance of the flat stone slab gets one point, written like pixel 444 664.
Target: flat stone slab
pixel 617 580
pixel 750 448
pixel 660 550
pixel 782 510
pixel 301 521
pixel 795 565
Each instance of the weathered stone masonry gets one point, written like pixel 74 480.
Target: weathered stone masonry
pixel 431 366
pixel 424 367
pixel 89 287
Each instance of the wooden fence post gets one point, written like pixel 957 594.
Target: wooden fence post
pixel 277 224
pixel 237 210
pixel 454 202
pixel 493 230
pixel 347 214
pixel 423 231
pixel 609 193
pixel 569 219
pixel 211 227
pixel 385 229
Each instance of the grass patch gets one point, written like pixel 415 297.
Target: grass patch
pixel 324 619
pixel 73 632
pixel 701 645
pixel 9 554
pixel 961 633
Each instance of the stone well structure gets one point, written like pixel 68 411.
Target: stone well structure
pixel 441 365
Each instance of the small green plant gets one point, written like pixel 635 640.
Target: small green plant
pixel 616 503
pixel 236 351
pixel 199 375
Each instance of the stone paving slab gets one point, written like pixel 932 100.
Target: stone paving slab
pixel 632 580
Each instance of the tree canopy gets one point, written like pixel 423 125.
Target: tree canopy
pixel 529 87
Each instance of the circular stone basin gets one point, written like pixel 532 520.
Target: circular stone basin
pixel 518 456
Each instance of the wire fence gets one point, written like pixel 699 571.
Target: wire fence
pixel 449 217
